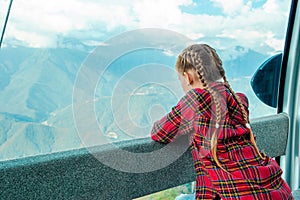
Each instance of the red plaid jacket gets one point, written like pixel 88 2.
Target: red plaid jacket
pixel 248 176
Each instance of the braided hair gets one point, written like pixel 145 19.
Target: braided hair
pixel 208 65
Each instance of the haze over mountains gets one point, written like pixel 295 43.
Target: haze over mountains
pixel 36 87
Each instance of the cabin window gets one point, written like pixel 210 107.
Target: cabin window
pixel 47 43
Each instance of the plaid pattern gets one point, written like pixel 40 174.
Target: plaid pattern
pixel 248 176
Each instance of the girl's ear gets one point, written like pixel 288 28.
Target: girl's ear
pixel 188 77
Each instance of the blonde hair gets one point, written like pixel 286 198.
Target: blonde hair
pixel 208 65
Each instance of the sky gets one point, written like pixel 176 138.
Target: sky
pixel 256 24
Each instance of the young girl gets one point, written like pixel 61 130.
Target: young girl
pixel 227 161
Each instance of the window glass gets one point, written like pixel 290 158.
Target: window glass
pixel 48 43
pixel 3 13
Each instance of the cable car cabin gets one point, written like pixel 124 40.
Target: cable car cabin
pixel 83 81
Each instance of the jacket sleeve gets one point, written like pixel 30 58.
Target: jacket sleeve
pixel 179 120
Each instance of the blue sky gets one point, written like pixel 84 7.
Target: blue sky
pixel 212 7
pixel 222 23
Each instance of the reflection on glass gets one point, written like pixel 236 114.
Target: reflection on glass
pixel 46 43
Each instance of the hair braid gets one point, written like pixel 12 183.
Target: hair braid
pixel 245 117
pixel 200 72
pixel 214 138
pixel 218 62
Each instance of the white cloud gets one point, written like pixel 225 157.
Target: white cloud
pixel 273 42
pixel 30 38
pixel 248 38
pixel 38 23
pixel 229 7
pixel 3 10
pixel 45 18
pixel 273 5
pixel 169 53
pixel 159 13
pixel 195 36
pixel 259 28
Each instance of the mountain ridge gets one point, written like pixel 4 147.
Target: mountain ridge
pixel 36 95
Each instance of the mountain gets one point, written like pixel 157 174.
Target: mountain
pixel 239 61
pixel 36 88
pixel 10 61
pixel 40 83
